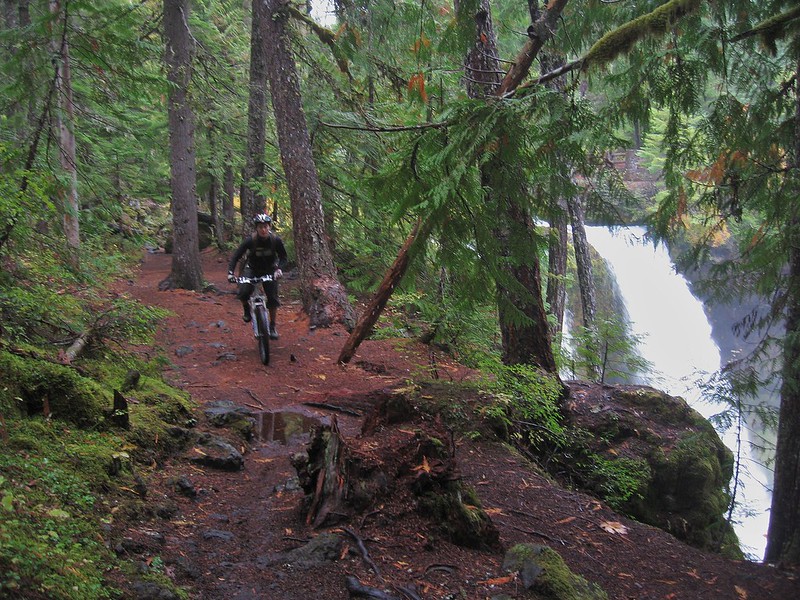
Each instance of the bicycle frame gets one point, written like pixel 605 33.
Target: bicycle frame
pixel 259 313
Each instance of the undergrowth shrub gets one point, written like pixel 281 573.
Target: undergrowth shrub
pixel 526 401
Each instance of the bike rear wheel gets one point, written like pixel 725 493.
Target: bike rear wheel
pixel 263 334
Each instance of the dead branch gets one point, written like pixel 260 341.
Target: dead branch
pixel 363 549
pixel 76 348
pixel 347 411
pixel 537 533
pixel 359 590
pixel 390 280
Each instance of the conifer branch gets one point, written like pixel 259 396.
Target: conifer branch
pixel 772 28
pixel 623 38
pixel 325 35
pixel 394 129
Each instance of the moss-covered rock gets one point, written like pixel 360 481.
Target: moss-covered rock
pixel 31 386
pixel 543 572
pixel 655 458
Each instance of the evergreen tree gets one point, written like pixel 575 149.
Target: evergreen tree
pixel 187 272
pixel 324 298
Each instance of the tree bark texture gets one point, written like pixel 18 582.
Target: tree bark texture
pixel 525 341
pixel 523 322
pixel 187 271
pixel 556 293
pixel 229 191
pixel 541 30
pixel 65 122
pixel 482 73
pixel 252 201
pixel 324 298
pixel 783 535
pixel 583 260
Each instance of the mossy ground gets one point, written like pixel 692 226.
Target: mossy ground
pixel 65 476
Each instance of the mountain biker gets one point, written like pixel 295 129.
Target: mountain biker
pixel 264 254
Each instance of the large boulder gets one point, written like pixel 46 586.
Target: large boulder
pixel 653 457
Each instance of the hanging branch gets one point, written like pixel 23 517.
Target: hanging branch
pixel 325 35
pixel 614 43
pixel 771 29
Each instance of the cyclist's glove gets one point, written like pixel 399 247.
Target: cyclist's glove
pixel 231 277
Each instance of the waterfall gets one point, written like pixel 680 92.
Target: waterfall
pixel 677 340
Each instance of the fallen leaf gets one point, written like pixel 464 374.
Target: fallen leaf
pixel 741 592
pixel 614 527
pixel 497 580
pixel 565 521
pixel 494 511
pixel 424 466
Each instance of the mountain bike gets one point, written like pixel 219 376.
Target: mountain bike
pixel 259 314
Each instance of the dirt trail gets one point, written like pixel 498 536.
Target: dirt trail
pixel 233 540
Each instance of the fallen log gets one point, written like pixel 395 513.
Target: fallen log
pixel 75 348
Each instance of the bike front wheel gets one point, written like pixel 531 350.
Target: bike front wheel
pixel 263 334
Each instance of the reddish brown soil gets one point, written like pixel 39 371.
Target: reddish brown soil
pixel 230 542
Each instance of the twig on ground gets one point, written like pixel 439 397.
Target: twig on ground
pixel 363 549
pixel 340 409
pixel 536 533
pixel 253 396
pixel 358 589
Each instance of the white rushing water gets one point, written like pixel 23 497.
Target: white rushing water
pixel 677 340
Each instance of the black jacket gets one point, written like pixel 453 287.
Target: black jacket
pixel 263 255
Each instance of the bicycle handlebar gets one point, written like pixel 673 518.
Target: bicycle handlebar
pixel 254 280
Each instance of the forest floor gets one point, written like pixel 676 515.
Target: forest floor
pixel 235 538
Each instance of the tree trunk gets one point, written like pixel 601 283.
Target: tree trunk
pixel 65 122
pixel 525 340
pixel 583 260
pixel 390 281
pixel 187 272
pixel 783 535
pixel 482 73
pixel 252 201
pixel 523 322
pixel 228 212
pixel 324 298
pixel 556 294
